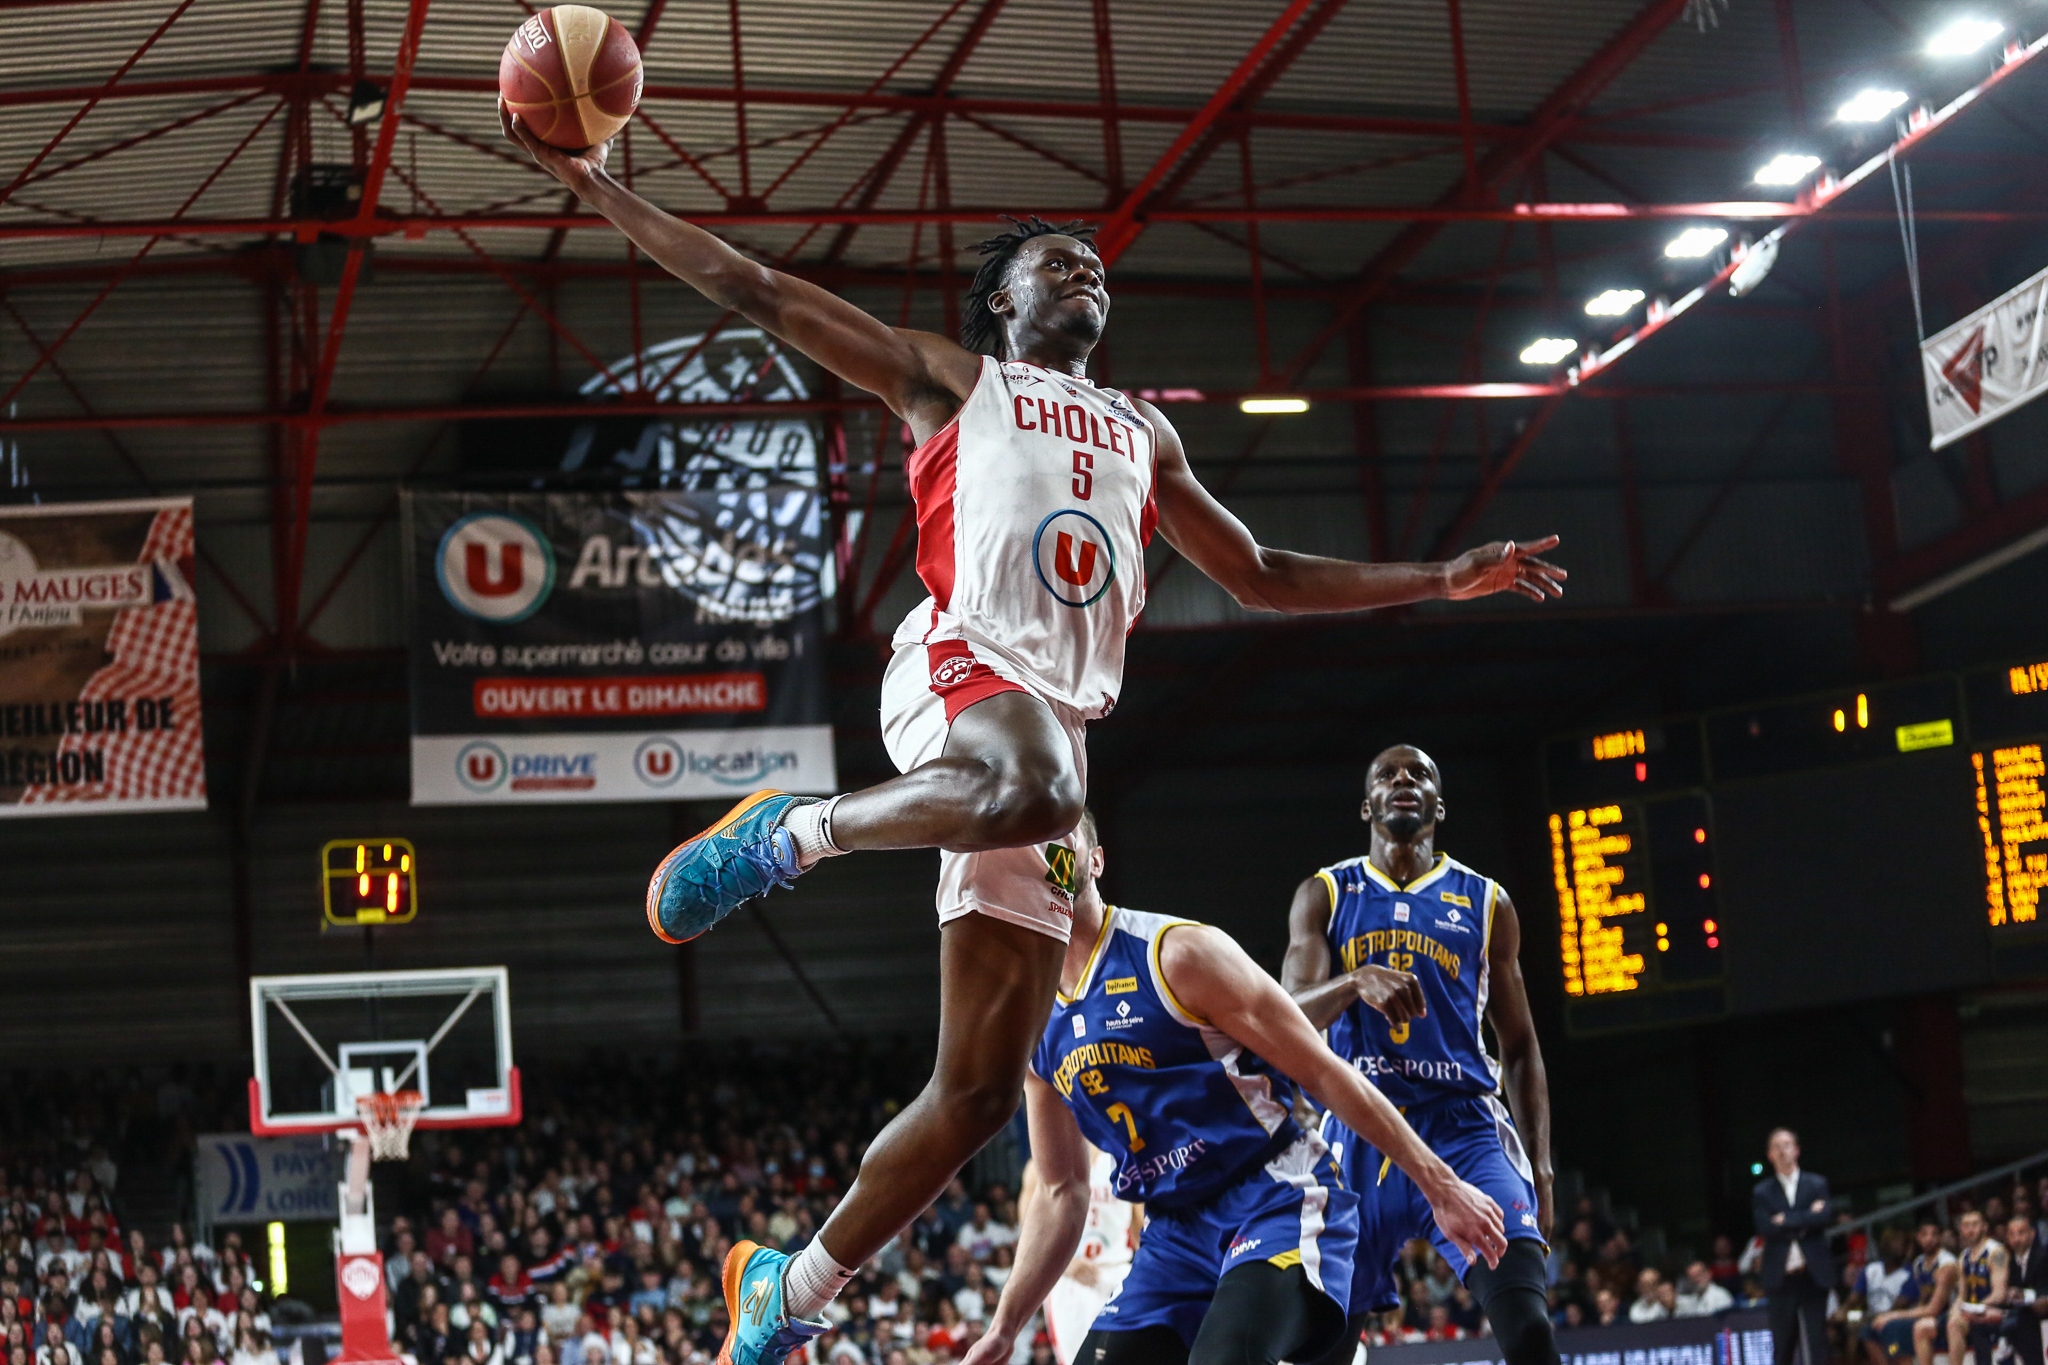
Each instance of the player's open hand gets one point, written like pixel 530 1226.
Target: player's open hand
pixel 575 169
pixel 1471 1220
pixel 1506 566
pixel 1394 993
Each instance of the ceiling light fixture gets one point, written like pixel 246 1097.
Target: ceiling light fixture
pixel 1613 303
pixel 1869 105
pixel 1695 242
pixel 1787 168
pixel 1271 406
pixel 1963 37
pixel 1548 350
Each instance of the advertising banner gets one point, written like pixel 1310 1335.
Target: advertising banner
pixel 244 1179
pixel 1738 1338
pixel 99 659
pixel 1991 362
pixel 628 646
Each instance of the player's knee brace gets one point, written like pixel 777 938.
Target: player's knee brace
pixel 1514 1295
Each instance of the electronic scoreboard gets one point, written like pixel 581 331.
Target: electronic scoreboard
pixel 367 882
pixel 1870 842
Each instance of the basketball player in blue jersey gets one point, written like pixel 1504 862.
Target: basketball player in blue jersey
pixel 1173 1052
pixel 1403 955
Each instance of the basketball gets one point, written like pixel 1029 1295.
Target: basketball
pixel 572 75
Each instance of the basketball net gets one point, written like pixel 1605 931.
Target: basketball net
pixel 387 1120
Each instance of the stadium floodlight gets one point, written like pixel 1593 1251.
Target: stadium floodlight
pixel 1869 105
pixel 1787 168
pixel 1613 303
pixel 1548 350
pixel 1963 37
pixel 1695 242
pixel 1274 406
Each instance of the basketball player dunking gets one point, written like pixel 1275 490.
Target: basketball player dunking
pixel 1424 950
pixel 1036 492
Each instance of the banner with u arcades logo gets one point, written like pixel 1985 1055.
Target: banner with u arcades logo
pixel 629 646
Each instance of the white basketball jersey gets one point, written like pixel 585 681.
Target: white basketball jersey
pixel 1106 1240
pixel 1034 506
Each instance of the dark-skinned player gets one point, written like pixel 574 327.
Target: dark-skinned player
pixel 1404 955
pixel 1035 492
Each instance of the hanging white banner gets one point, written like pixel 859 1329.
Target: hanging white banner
pixel 1991 362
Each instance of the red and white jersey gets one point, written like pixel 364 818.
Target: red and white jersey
pixel 1034 506
pixel 1106 1238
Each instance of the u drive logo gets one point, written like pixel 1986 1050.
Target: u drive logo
pixel 1072 554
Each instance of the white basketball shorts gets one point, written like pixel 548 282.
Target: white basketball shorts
pixel 925 687
pixel 1072 1307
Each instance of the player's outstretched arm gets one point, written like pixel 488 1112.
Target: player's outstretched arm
pixel 923 377
pixel 1053 1220
pixel 1215 980
pixel 1265 579
pixel 1305 974
pixel 1521 1057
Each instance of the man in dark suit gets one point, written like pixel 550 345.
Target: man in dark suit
pixel 2026 1290
pixel 1792 1215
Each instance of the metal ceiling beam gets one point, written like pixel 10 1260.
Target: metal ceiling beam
pixel 292 582
pixel 1824 196
pixel 333 415
pixel 878 176
pixel 1431 217
pixel 1559 112
pixel 1121 227
pixel 1257 88
pixel 318 83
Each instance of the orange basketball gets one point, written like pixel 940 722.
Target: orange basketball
pixel 572 75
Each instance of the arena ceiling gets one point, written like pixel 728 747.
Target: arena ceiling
pixel 1373 204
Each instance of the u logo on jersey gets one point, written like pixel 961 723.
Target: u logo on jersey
pixel 1073 557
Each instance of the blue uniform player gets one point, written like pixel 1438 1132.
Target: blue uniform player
pixel 1403 955
pixel 1172 1051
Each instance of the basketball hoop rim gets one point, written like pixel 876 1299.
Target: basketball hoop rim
pixel 514 1114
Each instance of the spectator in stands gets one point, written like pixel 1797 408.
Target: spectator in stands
pixel 1648 1305
pixel 1607 1308
pixel 1701 1296
pixel 450 1238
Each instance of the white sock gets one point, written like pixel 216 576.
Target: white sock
pixel 811 826
pixel 811 1280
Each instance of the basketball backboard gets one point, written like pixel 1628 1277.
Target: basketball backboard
pixel 323 1042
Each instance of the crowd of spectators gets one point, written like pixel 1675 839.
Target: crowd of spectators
pixel 593 1234
pixel 1598 1279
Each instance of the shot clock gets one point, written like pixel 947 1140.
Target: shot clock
pixel 367 882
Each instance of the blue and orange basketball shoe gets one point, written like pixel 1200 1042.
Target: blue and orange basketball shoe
pixel 761 1332
pixel 746 854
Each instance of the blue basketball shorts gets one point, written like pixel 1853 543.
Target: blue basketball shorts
pixel 1293 1210
pixel 1477 1139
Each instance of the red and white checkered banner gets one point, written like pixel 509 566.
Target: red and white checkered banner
pixel 99 659
pixel 1991 362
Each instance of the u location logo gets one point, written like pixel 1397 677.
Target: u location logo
pixel 1073 557
pixel 495 566
pixel 658 761
pixel 481 766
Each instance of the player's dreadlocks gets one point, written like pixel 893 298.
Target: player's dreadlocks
pixel 980 329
